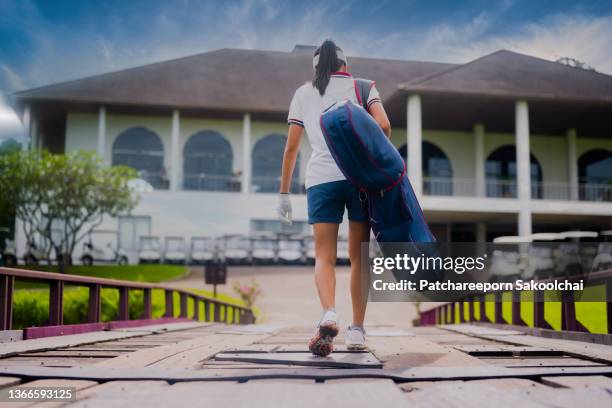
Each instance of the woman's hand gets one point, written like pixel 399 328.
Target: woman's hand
pixel 284 210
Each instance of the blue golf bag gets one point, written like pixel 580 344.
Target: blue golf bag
pixel 368 159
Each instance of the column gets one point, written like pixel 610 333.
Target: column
pixel 572 164
pixel 246 153
pixel 479 158
pixel 415 139
pixel 481 232
pixel 523 167
pixel 101 150
pixel 174 151
pixel 36 142
pixel 27 126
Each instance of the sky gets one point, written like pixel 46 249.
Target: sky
pixel 43 42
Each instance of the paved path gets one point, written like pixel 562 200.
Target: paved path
pixel 290 296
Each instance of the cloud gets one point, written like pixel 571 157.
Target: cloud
pixel 10 125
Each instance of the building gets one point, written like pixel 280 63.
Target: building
pixel 504 144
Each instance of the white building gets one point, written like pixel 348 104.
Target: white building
pixel 505 144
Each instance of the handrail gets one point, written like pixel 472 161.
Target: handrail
pixel 221 310
pixel 445 313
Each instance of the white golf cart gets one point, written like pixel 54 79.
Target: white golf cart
pixel 237 250
pixel 603 259
pixel 290 251
pixel 541 255
pixel 264 248
pixel 342 255
pixel 572 255
pixel 108 254
pixel 506 262
pixel 203 250
pixel 174 251
pixel 149 250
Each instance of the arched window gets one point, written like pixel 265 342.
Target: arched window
pixel 142 149
pixel 500 169
pixel 595 175
pixel 207 163
pixel 267 158
pixel 437 169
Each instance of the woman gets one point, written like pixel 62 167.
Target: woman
pixel 328 191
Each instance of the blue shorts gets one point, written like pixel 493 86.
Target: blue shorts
pixel 326 203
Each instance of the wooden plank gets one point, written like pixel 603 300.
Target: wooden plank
pixel 48 362
pixel 579 381
pixel 250 329
pixel 404 352
pixel 117 388
pixel 182 354
pixel 167 327
pixel 503 383
pixel 49 343
pixel 597 352
pixel 339 360
pixel 255 394
pixel 7 336
pixel 505 349
pixel 72 354
pixel 79 385
pixel 473 330
pixel 540 362
pixel 177 374
pixel 9 381
pixel 459 339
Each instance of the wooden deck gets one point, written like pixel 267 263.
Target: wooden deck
pixel 210 364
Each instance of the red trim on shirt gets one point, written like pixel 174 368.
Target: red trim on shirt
pixel 341 73
pixel 357 92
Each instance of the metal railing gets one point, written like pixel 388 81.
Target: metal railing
pixel 221 310
pixel 454 312
pixel 595 192
pixel 211 182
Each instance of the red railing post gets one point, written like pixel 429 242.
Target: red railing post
pixel 216 312
pixel 207 310
pixel 147 301
pixel 471 309
pixel 196 308
pixel 461 312
pixel 538 309
pixel 169 295
pixel 56 303
pixel 93 313
pixel 499 318
pixel 7 283
pixel 183 304
pixel 483 309
pixel 124 303
pixel 516 309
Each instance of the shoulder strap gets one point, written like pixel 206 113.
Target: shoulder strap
pixel 362 90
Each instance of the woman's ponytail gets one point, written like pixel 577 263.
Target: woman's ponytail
pixel 328 63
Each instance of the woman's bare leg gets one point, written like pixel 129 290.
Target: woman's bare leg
pixel 359 232
pixel 326 241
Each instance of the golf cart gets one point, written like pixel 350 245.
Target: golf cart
pixel 603 259
pixel 149 250
pixel 203 250
pixel 107 254
pixel 309 250
pixel 342 254
pixel 237 250
pixel 34 253
pixel 541 259
pixel 573 255
pixel 506 258
pixel 174 250
pixel 8 253
pixel 264 249
pixel 289 251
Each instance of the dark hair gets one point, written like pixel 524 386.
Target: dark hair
pixel 328 63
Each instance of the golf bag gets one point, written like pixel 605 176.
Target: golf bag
pixel 368 159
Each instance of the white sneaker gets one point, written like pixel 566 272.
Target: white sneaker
pixel 355 338
pixel 322 343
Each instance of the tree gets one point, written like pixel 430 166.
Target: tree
pixel 64 197
pixel 9 145
pixel 573 62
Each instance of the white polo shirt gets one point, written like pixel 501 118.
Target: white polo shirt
pixel 306 109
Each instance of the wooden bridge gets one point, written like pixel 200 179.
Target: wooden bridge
pixel 194 363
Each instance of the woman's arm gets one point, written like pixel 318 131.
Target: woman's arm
pixel 377 110
pixel 292 148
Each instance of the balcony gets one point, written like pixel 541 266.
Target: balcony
pixel 211 182
pixel 261 184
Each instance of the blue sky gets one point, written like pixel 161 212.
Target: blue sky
pixel 43 42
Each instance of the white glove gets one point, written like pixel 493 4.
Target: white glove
pixel 283 210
